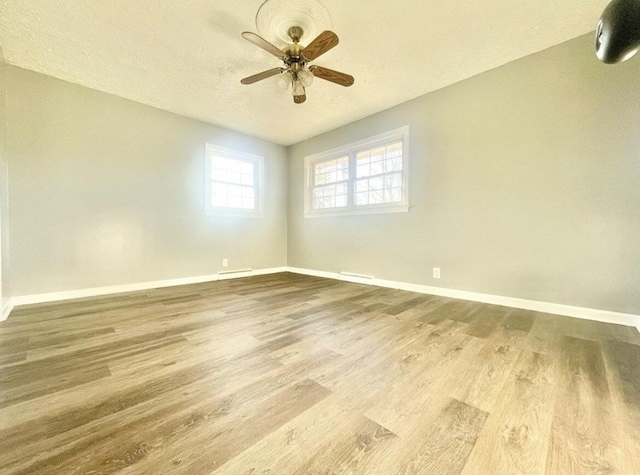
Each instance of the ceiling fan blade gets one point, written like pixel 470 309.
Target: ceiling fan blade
pixel 323 43
pixel 264 44
pixel 300 99
pixel 262 75
pixel 331 75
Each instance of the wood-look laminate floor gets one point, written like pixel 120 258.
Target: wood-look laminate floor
pixel 287 374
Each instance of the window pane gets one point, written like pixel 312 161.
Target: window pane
pixel 392 195
pixel 362 198
pixel 219 200
pixel 363 170
pixel 394 150
pixel 247 179
pixel 376 197
pixel 234 177
pixel 393 158
pixel 330 196
pixel 377 154
pixel 247 168
pixel 219 162
pixel 377 168
pixel 362 164
pixel 376 183
pixel 218 174
pixel 331 171
pixel 393 164
pixel 362 158
pixel 393 180
pixel 219 188
pixel 235 201
pixel 234 166
pixel 362 185
pixel 234 190
pixel 232 171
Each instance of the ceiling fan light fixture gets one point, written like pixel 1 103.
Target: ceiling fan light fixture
pixel 296 58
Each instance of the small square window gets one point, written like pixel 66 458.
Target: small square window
pixel 234 182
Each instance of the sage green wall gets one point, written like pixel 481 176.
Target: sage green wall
pixel 524 182
pixel 4 193
pixel 108 191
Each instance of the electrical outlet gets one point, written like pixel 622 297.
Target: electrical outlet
pixel 225 262
pixel 436 272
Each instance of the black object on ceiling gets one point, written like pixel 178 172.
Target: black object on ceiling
pixel 618 33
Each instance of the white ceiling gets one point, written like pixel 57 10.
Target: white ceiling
pixel 188 56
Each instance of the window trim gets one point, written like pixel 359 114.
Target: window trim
pixel 350 150
pixel 257 160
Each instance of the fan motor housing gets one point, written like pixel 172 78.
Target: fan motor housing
pixel 293 51
pixel 294 55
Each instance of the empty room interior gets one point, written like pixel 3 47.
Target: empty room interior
pixel 319 237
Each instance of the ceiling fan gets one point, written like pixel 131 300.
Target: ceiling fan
pixel 296 71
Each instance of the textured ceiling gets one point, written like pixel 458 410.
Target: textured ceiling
pixel 188 56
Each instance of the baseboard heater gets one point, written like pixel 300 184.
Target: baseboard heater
pixel 353 276
pixel 234 274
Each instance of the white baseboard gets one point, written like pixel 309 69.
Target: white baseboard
pixel 6 309
pixel 238 274
pixel 270 270
pixel 118 289
pixel 535 305
pixel 546 307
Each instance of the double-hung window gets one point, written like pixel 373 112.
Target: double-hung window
pixel 234 182
pixel 369 176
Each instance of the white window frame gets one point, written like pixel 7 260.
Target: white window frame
pixel 350 150
pixel 256 160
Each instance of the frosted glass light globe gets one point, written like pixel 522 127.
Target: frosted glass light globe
pixel 283 80
pixel 306 77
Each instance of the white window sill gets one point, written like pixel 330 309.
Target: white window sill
pixel 234 213
pixel 357 211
